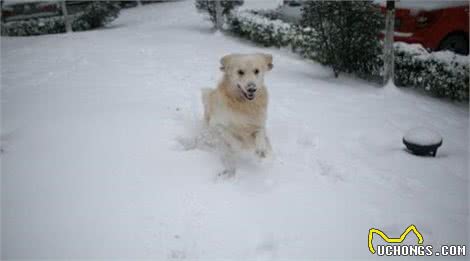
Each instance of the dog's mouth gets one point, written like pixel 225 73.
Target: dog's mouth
pixel 248 96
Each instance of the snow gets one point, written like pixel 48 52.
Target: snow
pixel 422 136
pixel 451 60
pixel 257 4
pixel 445 56
pixel 251 18
pixel 95 161
pixel 427 5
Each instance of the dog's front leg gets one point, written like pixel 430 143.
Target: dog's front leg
pixel 228 148
pixel 262 144
pixel 228 160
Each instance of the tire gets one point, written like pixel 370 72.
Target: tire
pixel 456 43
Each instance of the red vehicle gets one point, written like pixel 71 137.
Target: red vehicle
pixel 437 25
pixel 23 10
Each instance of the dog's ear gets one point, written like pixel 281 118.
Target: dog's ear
pixel 268 58
pixel 224 61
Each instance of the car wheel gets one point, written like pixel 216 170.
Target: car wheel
pixel 456 43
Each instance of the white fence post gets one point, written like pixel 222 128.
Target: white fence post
pixel 68 25
pixel 389 64
pixel 1 9
pixel 218 15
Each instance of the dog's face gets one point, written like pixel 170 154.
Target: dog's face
pixel 245 72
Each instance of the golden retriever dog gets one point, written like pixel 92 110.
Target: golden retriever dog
pixel 237 108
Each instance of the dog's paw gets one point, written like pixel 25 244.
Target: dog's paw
pixel 262 146
pixel 226 173
pixel 263 150
pixel 262 153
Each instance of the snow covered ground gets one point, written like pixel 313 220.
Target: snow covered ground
pixel 93 164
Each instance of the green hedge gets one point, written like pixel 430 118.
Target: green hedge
pixel 95 15
pixel 209 7
pixel 257 27
pixel 50 25
pixel 345 34
pixel 442 74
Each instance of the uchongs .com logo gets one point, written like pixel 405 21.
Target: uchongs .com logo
pixel 395 246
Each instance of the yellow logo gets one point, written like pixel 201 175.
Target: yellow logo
pixel 393 240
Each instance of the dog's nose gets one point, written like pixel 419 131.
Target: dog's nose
pixel 251 87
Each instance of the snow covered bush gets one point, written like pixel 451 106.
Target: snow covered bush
pixel 208 6
pixel 50 25
pixel 254 25
pixel 263 27
pixel 345 34
pixel 443 74
pixel 303 43
pixel 95 15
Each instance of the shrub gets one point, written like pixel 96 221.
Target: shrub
pixel 345 34
pixel 96 14
pixel 443 74
pixel 260 29
pixel 50 25
pixel 208 6
pixel 263 27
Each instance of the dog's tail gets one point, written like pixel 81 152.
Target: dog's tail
pixel 205 101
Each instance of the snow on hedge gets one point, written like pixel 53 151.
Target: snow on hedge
pixel 36 26
pixel 260 28
pixel 263 27
pixel 95 15
pixel 443 74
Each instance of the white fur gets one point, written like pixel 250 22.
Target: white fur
pixel 239 118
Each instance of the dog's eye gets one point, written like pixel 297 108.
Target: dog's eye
pixel 241 73
pixel 256 71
